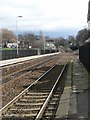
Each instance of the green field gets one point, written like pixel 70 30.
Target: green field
pixel 7 48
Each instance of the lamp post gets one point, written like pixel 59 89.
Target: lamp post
pixel 17 34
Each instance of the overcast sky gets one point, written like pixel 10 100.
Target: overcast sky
pixel 62 17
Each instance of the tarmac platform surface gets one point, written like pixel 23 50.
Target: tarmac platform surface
pixel 74 100
pixel 22 59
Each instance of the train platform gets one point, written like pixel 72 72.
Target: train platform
pixel 74 100
pixel 17 60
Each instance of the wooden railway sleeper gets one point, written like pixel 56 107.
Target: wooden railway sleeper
pixel 30 105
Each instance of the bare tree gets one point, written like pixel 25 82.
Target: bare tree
pixel 26 40
pixel 8 36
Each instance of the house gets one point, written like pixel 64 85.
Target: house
pixel 50 43
pixel 11 45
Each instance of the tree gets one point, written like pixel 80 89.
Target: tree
pixel 26 40
pixel 40 42
pixel 59 42
pixel 82 36
pixel 71 39
pixel 8 36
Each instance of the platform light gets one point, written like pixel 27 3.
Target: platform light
pixel 17 33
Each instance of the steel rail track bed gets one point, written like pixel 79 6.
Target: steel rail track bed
pixel 38 100
pixel 19 83
pixel 21 72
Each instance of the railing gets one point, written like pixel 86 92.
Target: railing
pixel 84 55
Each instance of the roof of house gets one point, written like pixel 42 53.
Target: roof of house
pixel 88 40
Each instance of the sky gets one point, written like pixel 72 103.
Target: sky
pixel 55 18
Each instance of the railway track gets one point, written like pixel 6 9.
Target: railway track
pixel 18 84
pixel 38 100
pixel 21 72
pixel 31 67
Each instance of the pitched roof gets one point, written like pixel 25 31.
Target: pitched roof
pixel 88 40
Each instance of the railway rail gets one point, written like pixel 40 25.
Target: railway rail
pixel 25 70
pixel 22 66
pixel 18 82
pixel 39 99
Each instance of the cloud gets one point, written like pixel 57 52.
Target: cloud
pixel 47 15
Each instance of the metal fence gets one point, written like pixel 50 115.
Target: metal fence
pixel 10 54
pixel 84 55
